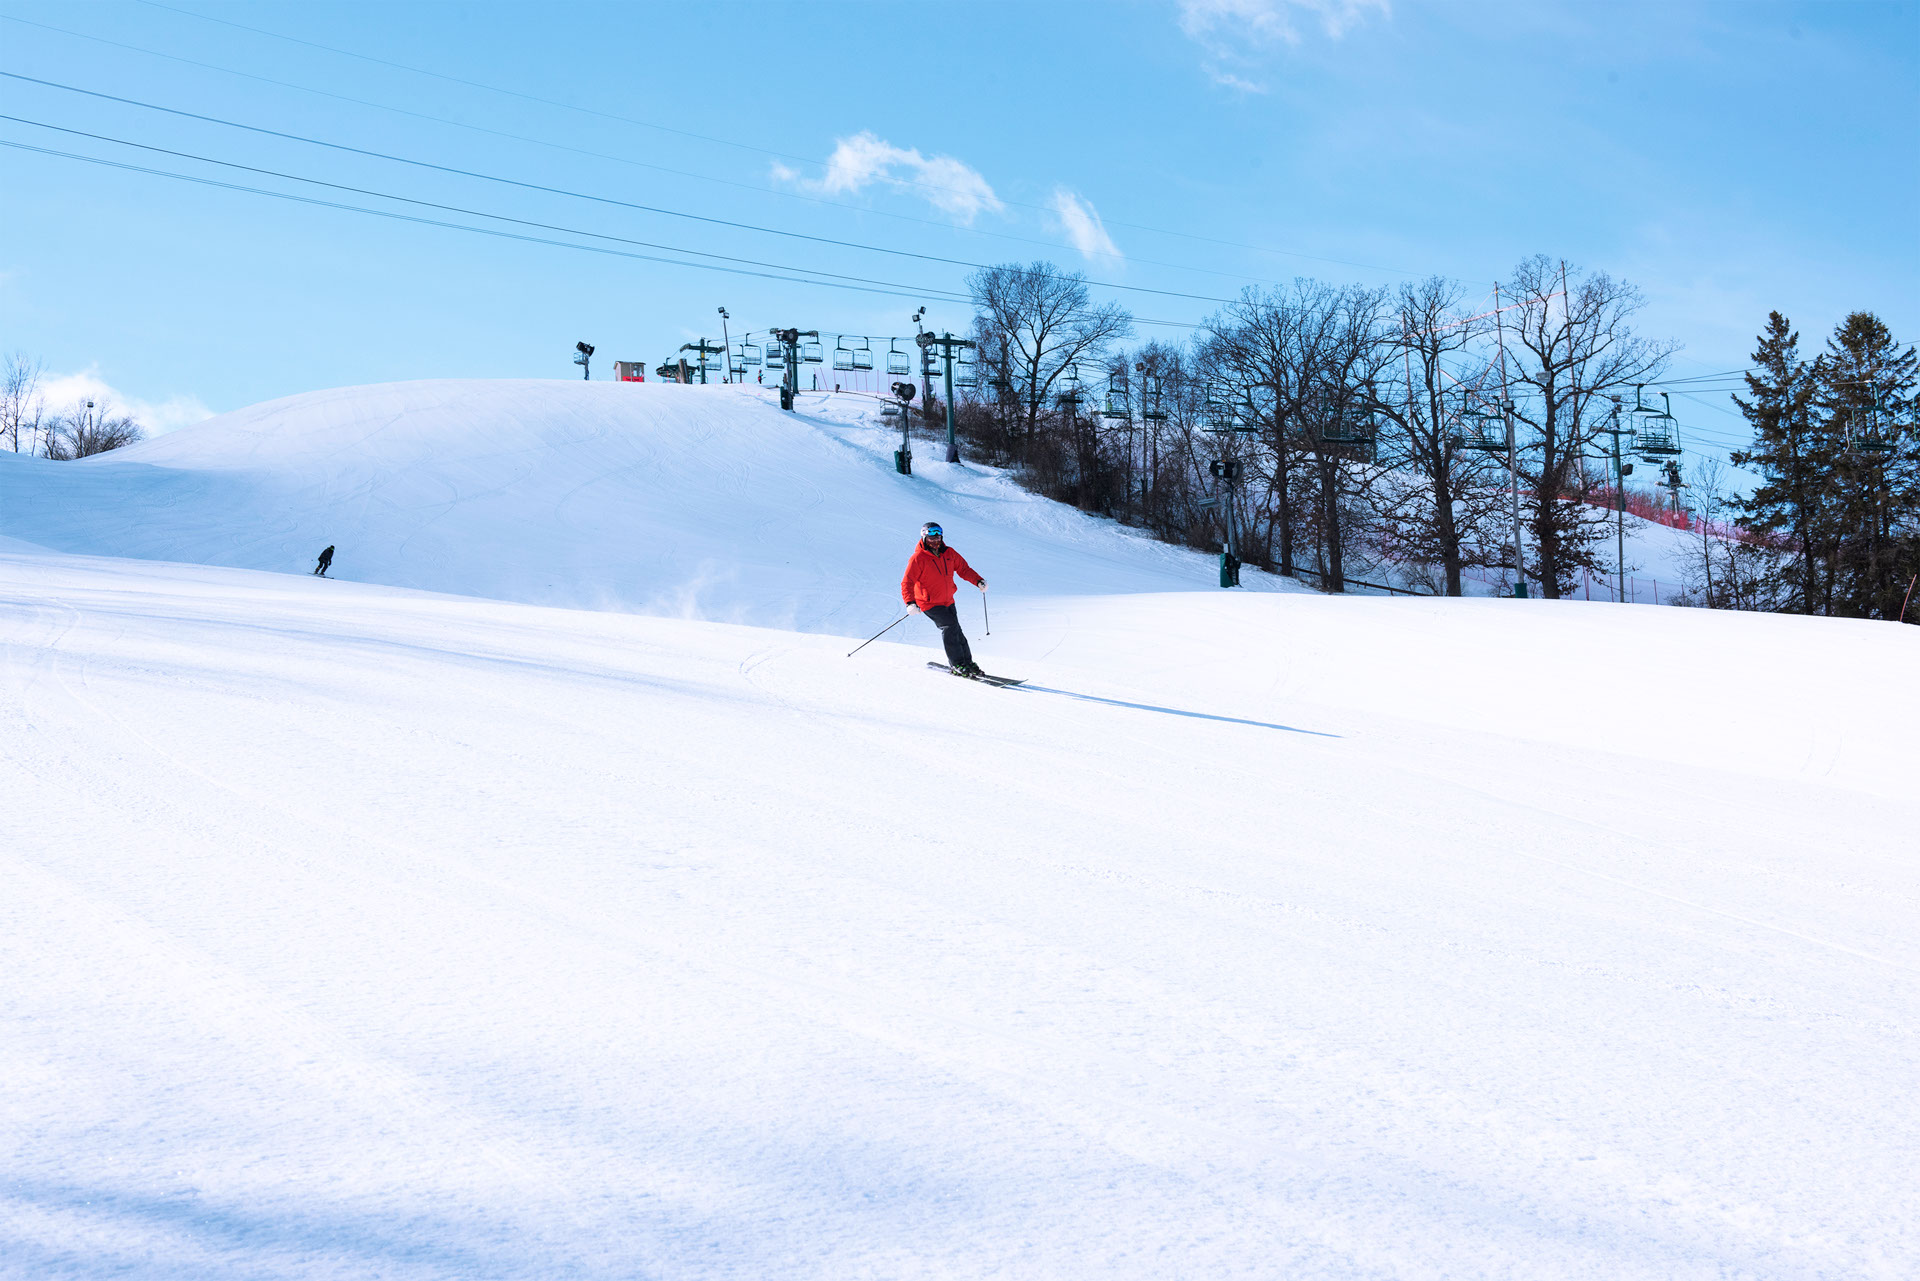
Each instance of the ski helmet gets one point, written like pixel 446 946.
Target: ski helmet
pixel 931 530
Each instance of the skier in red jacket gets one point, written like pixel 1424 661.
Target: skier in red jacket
pixel 928 587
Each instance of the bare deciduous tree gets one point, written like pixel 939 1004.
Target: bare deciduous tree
pixel 1314 353
pixel 1568 345
pixel 22 409
pixel 1438 507
pixel 90 428
pixel 1040 320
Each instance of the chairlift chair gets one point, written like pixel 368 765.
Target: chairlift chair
pixel 1483 430
pixel 1118 404
pixel 1070 393
pixel 1654 434
pixel 1356 438
pixel 1218 413
pixel 1151 409
pixel 750 353
pixel 776 354
pixel 842 354
pixel 813 353
pixel 898 362
pixel 1865 435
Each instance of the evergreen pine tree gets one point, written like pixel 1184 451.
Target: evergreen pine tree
pixel 1864 399
pixel 1791 500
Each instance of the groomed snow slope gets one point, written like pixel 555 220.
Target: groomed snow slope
pixel 353 931
pixel 698 501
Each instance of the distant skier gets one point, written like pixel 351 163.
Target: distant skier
pixel 928 587
pixel 326 562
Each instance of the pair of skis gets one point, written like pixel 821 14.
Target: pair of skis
pixel 1003 682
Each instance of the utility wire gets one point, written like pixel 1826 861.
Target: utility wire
pixel 562 191
pixel 472 213
pixel 728 142
pixel 638 164
pixel 454 226
pixel 895 291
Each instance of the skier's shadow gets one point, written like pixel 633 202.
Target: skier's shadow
pixel 1175 711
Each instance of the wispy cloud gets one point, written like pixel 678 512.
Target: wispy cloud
pixel 866 160
pixel 1235 33
pixel 65 391
pixel 1082 224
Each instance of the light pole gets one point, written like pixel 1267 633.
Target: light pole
pixel 727 342
pixel 926 363
pixel 1513 464
pixel 1621 470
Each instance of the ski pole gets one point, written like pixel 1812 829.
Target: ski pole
pixel 877 635
pixel 984 616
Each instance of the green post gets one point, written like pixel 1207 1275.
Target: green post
pixel 953 446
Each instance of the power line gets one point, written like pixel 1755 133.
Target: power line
pixel 473 213
pixel 637 164
pixel 562 191
pixel 902 292
pixel 885 288
pixel 728 142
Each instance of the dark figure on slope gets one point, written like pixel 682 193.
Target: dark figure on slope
pixel 928 587
pixel 326 562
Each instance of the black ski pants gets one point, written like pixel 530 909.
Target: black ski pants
pixel 947 619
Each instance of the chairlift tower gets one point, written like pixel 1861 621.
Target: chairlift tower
pixel 789 340
pixel 706 351
pixel 949 346
pixel 1224 420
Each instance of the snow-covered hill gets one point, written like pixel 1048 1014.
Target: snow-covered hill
pixel 352 930
pixel 699 501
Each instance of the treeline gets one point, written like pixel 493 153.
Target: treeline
pixel 79 430
pixel 1342 432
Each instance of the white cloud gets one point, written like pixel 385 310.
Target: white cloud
pixel 64 391
pixel 866 160
pixel 1083 226
pixel 1231 81
pixel 1235 32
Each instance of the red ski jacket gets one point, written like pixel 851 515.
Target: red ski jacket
pixel 929 576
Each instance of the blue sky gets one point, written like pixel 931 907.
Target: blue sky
pixel 1725 158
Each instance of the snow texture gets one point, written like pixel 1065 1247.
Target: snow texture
pixel 414 927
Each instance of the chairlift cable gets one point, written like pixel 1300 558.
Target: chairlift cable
pixel 901 292
pixel 473 213
pixel 575 195
pixel 642 164
pixel 728 142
